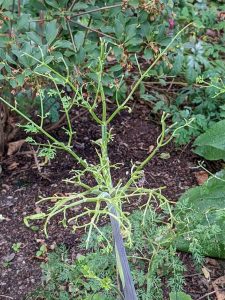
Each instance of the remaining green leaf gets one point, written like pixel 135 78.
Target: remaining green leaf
pixel 200 215
pixel 79 39
pixel 51 31
pixel 34 37
pixel 211 144
pixel 179 296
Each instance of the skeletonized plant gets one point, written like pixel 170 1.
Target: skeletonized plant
pixel 105 197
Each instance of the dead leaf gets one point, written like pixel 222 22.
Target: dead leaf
pixel 14 147
pixel 9 257
pixel 37 210
pixel 206 273
pixel 219 287
pixel 164 155
pixel 13 166
pixel 212 261
pixel 5 186
pixel 111 58
pixel 53 246
pixel 150 148
pixel 201 177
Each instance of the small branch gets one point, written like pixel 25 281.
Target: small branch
pixel 72 5
pixel 206 295
pixel 4 296
pixel 71 36
pixel 96 10
pixel 19 8
pixel 92 29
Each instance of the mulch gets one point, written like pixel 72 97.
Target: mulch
pixel 22 185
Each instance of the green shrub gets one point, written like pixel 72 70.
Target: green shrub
pixel 136 34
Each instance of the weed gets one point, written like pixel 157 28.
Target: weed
pixel 16 247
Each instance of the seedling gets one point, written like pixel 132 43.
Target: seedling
pixel 42 251
pixel 16 247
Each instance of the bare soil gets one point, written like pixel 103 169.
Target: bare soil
pixel 22 185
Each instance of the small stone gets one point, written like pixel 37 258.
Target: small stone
pixel 9 257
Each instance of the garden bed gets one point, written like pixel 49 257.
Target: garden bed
pixel 22 184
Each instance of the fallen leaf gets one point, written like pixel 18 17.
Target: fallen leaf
pixel 206 273
pixel 211 261
pixel 14 147
pixel 201 177
pixel 53 246
pixel 218 286
pixel 5 186
pixel 9 257
pixel 13 166
pixel 38 209
pixel 150 149
pixel 164 155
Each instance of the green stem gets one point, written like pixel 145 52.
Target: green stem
pixel 67 118
pixel 59 144
pixel 151 155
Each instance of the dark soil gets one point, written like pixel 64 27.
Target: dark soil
pixel 134 133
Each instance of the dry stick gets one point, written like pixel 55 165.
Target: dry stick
pixel 92 29
pixel 71 36
pixel 84 13
pixel 208 294
pixel 72 5
pixel 96 10
pixel 19 8
pixel 4 296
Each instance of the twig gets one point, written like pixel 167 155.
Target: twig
pixel 96 10
pixel 84 13
pixel 71 36
pixel 19 8
pixel 72 5
pixel 171 84
pixel 192 275
pixel 36 159
pixel 6 296
pixel 92 29
pixel 208 294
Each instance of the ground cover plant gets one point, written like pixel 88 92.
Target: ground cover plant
pixel 59 66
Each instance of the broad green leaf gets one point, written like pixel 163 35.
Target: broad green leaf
pixel 63 44
pixel 34 37
pixel 179 296
pixel 200 216
pixel 51 31
pixel 79 39
pixel 119 29
pixel 52 3
pixel 178 62
pixel 211 144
